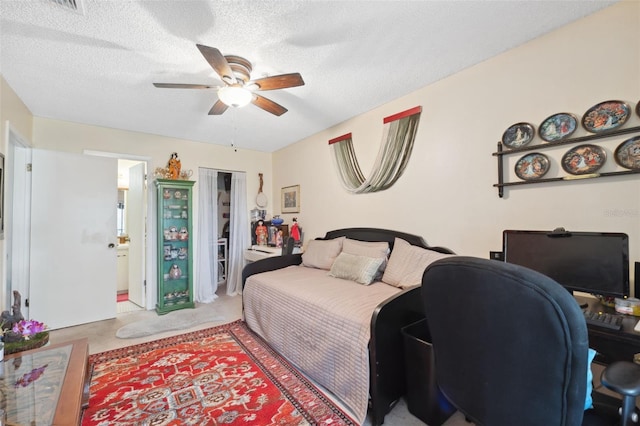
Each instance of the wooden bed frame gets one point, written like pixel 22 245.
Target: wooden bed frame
pixel 386 347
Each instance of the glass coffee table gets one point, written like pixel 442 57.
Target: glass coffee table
pixel 46 386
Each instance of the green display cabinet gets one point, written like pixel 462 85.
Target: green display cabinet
pixel 175 250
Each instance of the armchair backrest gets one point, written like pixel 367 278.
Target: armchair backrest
pixel 510 343
pixel 288 245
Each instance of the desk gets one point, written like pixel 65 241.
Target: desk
pixel 612 345
pixel 262 252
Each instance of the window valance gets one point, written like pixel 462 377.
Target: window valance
pixel 398 136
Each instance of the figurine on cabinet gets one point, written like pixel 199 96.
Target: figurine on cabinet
pixel 295 230
pixel 183 235
pixel 174 166
pixel 182 253
pixel 173 233
pixel 175 272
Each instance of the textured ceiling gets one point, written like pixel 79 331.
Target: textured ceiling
pixel 97 67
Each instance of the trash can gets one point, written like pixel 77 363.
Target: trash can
pixel 424 398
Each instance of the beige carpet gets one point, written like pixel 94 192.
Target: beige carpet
pixel 176 320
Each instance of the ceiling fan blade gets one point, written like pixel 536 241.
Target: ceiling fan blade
pixel 268 105
pixel 282 81
pixel 218 108
pixel 218 63
pixel 185 86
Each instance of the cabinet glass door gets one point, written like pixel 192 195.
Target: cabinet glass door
pixel 175 265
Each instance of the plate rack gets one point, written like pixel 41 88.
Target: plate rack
pixel 500 153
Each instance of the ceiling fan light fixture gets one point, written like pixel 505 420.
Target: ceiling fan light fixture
pixel 236 97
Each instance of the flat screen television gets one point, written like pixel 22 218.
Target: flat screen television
pixel 590 262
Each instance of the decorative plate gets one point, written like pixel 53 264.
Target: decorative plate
pixel 606 116
pixel 627 154
pixel 177 195
pixel 532 166
pixel 518 135
pixel 558 126
pixel 583 159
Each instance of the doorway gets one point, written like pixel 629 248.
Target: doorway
pixel 131 232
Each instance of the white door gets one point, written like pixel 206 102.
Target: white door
pixel 136 221
pixel 73 238
pixel 18 220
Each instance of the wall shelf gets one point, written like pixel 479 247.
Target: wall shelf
pixel 500 153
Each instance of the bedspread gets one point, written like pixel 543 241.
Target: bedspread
pixel 320 323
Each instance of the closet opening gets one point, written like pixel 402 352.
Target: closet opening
pixel 224 218
pixel 223 233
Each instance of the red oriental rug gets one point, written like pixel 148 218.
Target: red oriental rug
pixel 221 375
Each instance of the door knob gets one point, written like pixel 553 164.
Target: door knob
pixel 111 245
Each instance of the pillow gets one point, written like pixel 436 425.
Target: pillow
pixel 321 253
pixel 588 400
pixel 360 269
pixel 375 249
pixel 366 248
pixel 407 264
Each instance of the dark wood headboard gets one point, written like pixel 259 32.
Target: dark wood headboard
pixel 377 234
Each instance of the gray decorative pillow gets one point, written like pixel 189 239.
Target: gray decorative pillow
pixel 375 249
pixel 321 253
pixel 407 264
pixel 360 269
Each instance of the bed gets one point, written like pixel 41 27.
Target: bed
pixel 357 354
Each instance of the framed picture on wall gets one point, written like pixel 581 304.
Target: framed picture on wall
pixel 290 199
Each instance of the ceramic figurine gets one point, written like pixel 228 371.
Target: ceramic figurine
pixel 173 233
pixel 174 166
pixel 261 234
pixel 295 230
pixel 183 234
pixel 182 253
pixel 175 272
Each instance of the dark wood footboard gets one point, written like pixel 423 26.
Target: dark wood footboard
pixel 386 350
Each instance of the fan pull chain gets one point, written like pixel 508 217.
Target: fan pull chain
pixel 235 130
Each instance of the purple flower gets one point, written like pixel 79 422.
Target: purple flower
pixel 28 327
pixel 30 377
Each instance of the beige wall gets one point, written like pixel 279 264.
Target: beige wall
pixel 71 137
pixel 13 110
pixel 446 194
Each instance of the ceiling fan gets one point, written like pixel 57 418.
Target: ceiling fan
pixel 238 89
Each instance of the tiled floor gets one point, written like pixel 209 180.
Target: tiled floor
pixel 102 337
